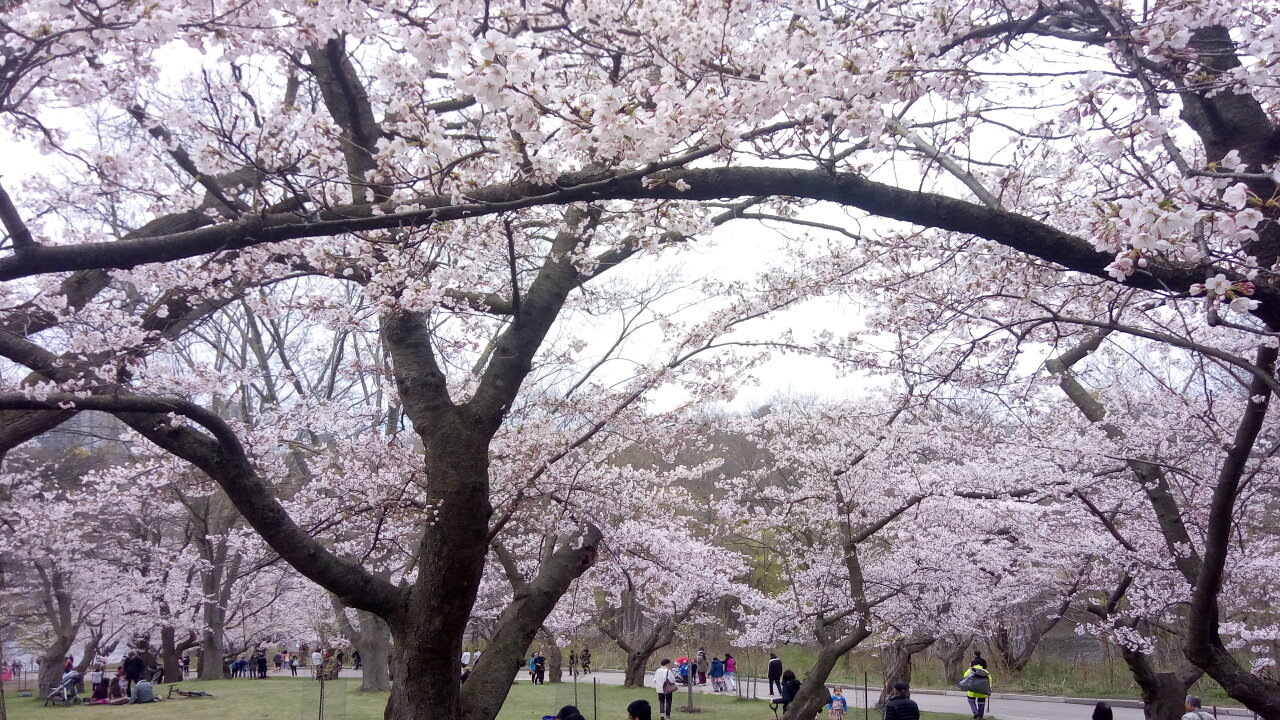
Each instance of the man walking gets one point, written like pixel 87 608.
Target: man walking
pixel 775 673
pixel 539 669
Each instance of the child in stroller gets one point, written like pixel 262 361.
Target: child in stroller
pixel 65 692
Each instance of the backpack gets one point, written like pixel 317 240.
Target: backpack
pixel 978 681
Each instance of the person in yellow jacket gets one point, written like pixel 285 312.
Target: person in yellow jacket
pixel 977 698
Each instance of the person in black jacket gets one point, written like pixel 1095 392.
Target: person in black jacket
pixel 539 669
pixel 901 706
pixel 775 672
pixel 133 666
pixel 790 686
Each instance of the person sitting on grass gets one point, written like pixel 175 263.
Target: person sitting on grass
pixel 115 693
pixel 143 692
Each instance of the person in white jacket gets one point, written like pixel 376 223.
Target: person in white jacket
pixel 664 682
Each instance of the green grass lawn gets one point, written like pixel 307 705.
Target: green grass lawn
pixel 288 699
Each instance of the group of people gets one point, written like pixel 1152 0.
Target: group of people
pixel 132 683
pixel 538 668
pixel 722 673
pixel 585 659
pixel 668 677
pixel 250 667
pixel 325 663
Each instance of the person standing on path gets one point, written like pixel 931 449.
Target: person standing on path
pixel 702 666
pixel 540 668
pixel 586 660
pixel 901 706
pixel 775 673
pixel 730 667
pixel 573 663
pixel 664 682
pixel 717 675
pixel 978 697
pixel 293 665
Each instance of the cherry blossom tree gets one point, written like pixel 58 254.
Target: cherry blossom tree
pixel 880 510
pixel 1199 478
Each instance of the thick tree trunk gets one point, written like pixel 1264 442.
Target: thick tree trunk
pixel 813 690
pixel 171 652
pixel 555 665
pixel 374 647
pixel 951 650
pixel 373 640
pixel 61 618
pixel 169 657
pixel 1163 693
pixel 216 582
pixel 212 651
pixel 896 658
pixel 52 665
pixel 420 664
pixel 637 663
pixel 1014 645
pixel 429 626
pixel 625 629
pixel 1204 645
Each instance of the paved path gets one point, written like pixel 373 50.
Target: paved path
pixel 1002 707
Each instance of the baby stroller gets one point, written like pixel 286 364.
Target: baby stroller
pixel 65 693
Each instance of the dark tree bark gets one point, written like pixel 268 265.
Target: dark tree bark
pixel 1163 693
pixel 429 617
pixel 813 689
pixel 1204 645
pixel 896 659
pixel 63 623
pixel 172 649
pixel 951 650
pixel 625 626
pixel 373 640
pixel 1202 570
pixel 1014 642
pixel 217 580
pixel 555 656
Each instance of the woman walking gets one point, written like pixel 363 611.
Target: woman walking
pixel 664 682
